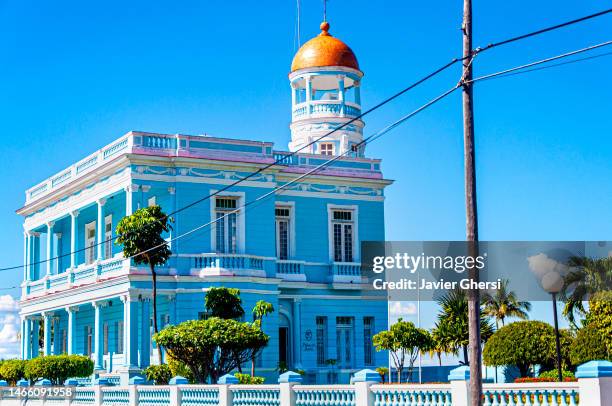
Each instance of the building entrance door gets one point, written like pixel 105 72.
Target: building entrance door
pixel 283 346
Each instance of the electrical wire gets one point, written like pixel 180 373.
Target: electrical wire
pixel 542 61
pixel 375 107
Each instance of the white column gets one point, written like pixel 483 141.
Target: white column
pixel 49 247
pixel 98 336
pixel 71 344
pixel 57 241
pixel 128 198
pixel 130 331
pixel 297 350
pixel 25 256
pixel 100 227
pixel 27 344
pixel 173 244
pixel 73 238
pixel 358 93
pixel 47 332
pixel 145 336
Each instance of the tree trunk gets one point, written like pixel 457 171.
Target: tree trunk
pixel 155 329
pixel 399 374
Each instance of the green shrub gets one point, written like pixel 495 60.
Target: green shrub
pixel 525 344
pixel 553 375
pixel 178 368
pixel 246 379
pixel 58 368
pixel 12 370
pixel 160 374
pixel 600 317
pixel 588 346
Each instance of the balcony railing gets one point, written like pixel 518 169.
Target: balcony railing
pixel 323 108
pixel 208 264
pixel 81 275
pixel 229 264
pixel 290 270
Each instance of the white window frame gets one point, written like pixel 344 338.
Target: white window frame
pixel 331 150
pixel 90 250
pixel 240 220
pixel 108 237
pixel 330 230
pixel 119 337
pixel 292 236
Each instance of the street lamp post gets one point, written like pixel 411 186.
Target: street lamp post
pixel 557 338
pixel 552 282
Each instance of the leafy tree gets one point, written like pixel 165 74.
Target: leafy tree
pixel 160 374
pixel 213 347
pixel 600 317
pixel 12 370
pixel 404 341
pixel 141 236
pixel 224 303
pixel 452 325
pixel 588 277
pixel 524 344
pixel 178 368
pixel 588 346
pixel 261 309
pixel 504 303
pixel 58 368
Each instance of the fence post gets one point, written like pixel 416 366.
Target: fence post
pixel 287 381
pixel 459 381
pixel 595 382
pixel 3 383
pixel 175 391
pixel 225 394
pixel 133 388
pixel 72 387
pixel 362 381
pixel 97 387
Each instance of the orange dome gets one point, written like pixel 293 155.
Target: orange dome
pixel 324 50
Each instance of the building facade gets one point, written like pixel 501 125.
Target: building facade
pixel 297 248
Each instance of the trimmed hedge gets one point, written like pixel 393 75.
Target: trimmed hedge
pixel 58 368
pixel 160 374
pixel 246 379
pixel 12 370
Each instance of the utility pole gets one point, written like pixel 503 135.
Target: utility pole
pixel 470 207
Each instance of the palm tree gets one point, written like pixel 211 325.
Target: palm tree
pixel 452 325
pixel 588 276
pixel 439 344
pixel 504 303
pixel 261 309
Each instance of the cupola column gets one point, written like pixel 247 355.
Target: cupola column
pixel 308 89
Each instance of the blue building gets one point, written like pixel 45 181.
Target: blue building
pixel 298 249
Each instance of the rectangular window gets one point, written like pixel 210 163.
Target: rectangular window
pixel 105 337
pixel 342 228
pixel 344 341
pixel 282 232
pixel 108 237
pixel 90 242
pixel 119 338
pixel 88 340
pixel 368 347
pixel 63 335
pixel 327 148
pixel 226 225
pixel 321 340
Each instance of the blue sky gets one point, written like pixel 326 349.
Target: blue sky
pixel 77 75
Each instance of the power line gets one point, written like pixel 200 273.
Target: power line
pixel 542 61
pixel 544 30
pixel 375 107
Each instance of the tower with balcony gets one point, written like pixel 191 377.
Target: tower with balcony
pixel 325 93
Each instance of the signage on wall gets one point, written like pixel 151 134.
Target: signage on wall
pixel 307 344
